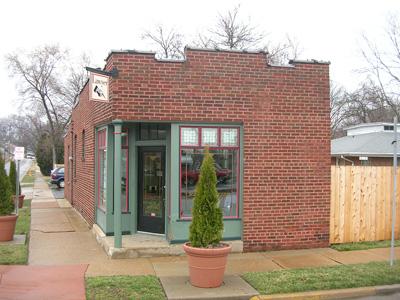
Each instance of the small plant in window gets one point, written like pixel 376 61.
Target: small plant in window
pixel 206 255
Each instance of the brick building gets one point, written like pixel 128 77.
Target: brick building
pixel 268 128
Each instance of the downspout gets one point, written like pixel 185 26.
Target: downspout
pixel 346 159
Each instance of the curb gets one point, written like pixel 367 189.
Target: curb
pixel 335 294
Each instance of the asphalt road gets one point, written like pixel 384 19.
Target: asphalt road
pixel 24 166
pixel 395 296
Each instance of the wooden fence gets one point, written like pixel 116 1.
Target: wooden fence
pixel 361 203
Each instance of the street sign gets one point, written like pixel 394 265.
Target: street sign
pixel 19 153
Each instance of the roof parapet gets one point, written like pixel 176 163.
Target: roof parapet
pixel 309 61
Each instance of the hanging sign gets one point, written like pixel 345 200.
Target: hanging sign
pixel 99 87
pixel 19 153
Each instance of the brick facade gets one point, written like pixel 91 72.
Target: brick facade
pixel 286 122
pixel 80 172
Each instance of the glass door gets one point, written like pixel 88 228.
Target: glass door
pixel 151 198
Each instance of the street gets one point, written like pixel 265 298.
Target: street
pixel 383 297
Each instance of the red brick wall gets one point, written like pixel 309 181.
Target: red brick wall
pixel 79 190
pixel 285 115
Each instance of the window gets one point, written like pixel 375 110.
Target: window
pixel 83 145
pixel 124 171
pixel 74 155
pixel 152 132
pixel 102 168
pixel 69 163
pixel 225 151
pixel 388 128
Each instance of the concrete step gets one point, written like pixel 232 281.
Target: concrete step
pixel 145 245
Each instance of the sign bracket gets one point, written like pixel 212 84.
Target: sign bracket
pixel 113 73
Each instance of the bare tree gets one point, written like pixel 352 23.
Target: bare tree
pixel 281 52
pixel 337 108
pixel 169 42
pixel 383 63
pixel 47 85
pixel 363 105
pixel 232 33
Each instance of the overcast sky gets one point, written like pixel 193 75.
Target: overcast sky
pixel 326 30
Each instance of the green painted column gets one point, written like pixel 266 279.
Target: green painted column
pixel 117 184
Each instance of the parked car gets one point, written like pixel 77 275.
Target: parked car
pixel 191 176
pixel 57 177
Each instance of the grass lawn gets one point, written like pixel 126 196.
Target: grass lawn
pixel 363 245
pixel 124 287
pixel 18 254
pixel 325 278
pixel 28 179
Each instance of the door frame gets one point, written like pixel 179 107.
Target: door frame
pixel 141 150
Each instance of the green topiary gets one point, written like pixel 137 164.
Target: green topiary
pixel 6 204
pixel 207 223
pixel 13 177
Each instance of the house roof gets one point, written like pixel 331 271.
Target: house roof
pixel 369 125
pixel 374 144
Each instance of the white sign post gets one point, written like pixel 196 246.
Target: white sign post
pixel 19 154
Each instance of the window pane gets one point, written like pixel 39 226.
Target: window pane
pixel 229 137
pixel 209 137
pixel 144 132
pixel 124 180
pixel 189 136
pixel 152 184
pixel 162 132
pixel 102 177
pixel 227 178
pixel 153 132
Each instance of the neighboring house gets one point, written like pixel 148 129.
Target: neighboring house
pixel 369 144
pixel 267 127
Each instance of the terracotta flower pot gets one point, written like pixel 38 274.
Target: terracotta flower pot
pixel 20 200
pixel 207 265
pixel 7 227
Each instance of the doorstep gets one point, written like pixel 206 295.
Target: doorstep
pixel 145 245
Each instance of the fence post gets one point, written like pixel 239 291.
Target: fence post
pixel 394 190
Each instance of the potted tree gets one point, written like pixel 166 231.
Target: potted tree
pixel 7 219
pixel 13 181
pixel 207 256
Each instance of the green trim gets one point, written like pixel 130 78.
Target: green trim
pixel 117 185
pixel 133 177
pixel 117 122
pixel 151 143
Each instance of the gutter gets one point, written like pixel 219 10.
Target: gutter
pixel 346 159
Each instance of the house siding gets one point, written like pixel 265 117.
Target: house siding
pixel 284 112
